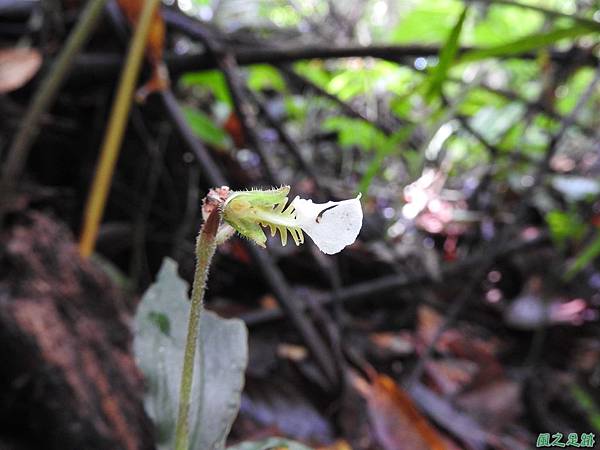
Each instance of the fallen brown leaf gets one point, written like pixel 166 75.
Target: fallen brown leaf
pixel 429 321
pixel 17 67
pixel 396 344
pixel 340 444
pixel 450 375
pixel 463 344
pixel 494 404
pixel 397 423
pixel 462 426
pixel 292 352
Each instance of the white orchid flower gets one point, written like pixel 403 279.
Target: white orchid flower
pixel 332 225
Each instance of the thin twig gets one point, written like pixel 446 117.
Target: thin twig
pixel 350 111
pixel 245 111
pixel 155 148
pixel 286 139
pixel 226 61
pixel 564 126
pixel 211 172
pixel 46 93
pixel 346 108
pixel 376 289
pixel 190 215
pixel 294 310
pixel 493 249
pixel 535 105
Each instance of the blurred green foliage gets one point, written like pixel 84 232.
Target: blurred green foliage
pixel 475 95
pixel 211 81
pixel 587 403
pixel 564 226
pixel 589 253
pixel 206 129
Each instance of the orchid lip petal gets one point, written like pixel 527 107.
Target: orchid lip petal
pixel 332 225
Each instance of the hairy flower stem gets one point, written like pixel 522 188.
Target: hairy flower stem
pixel 206 245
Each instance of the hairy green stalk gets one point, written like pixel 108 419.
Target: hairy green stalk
pixel 206 245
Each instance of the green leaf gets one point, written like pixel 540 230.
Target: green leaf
pixel 347 80
pixel 220 364
pixel 492 122
pixel 262 76
pixel 212 80
pixel 355 132
pixel 586 402
pixel 447 55
pixel 313 71
pixel 161 321
pixel 574 88
pixel 428 23
pixel 205 129
pixel 478 98
pixel 296 107
pixel 564 226
pixel 270 444
pixel 112 271
pixel 587 255
pixel 392 143
pixel 497 24
pixel 526 44
pixel 348 84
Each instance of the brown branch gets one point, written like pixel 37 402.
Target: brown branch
pixel 493 250
pixel 245 111
pixel 287 140
pixel 226 61
pixel 346 108
pixel 105 66
pixel 536 106
pixel 567 122
pixel 376 289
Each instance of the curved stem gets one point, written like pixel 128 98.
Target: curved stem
pixel 206 245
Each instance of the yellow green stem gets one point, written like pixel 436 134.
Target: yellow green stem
pixel 115 131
